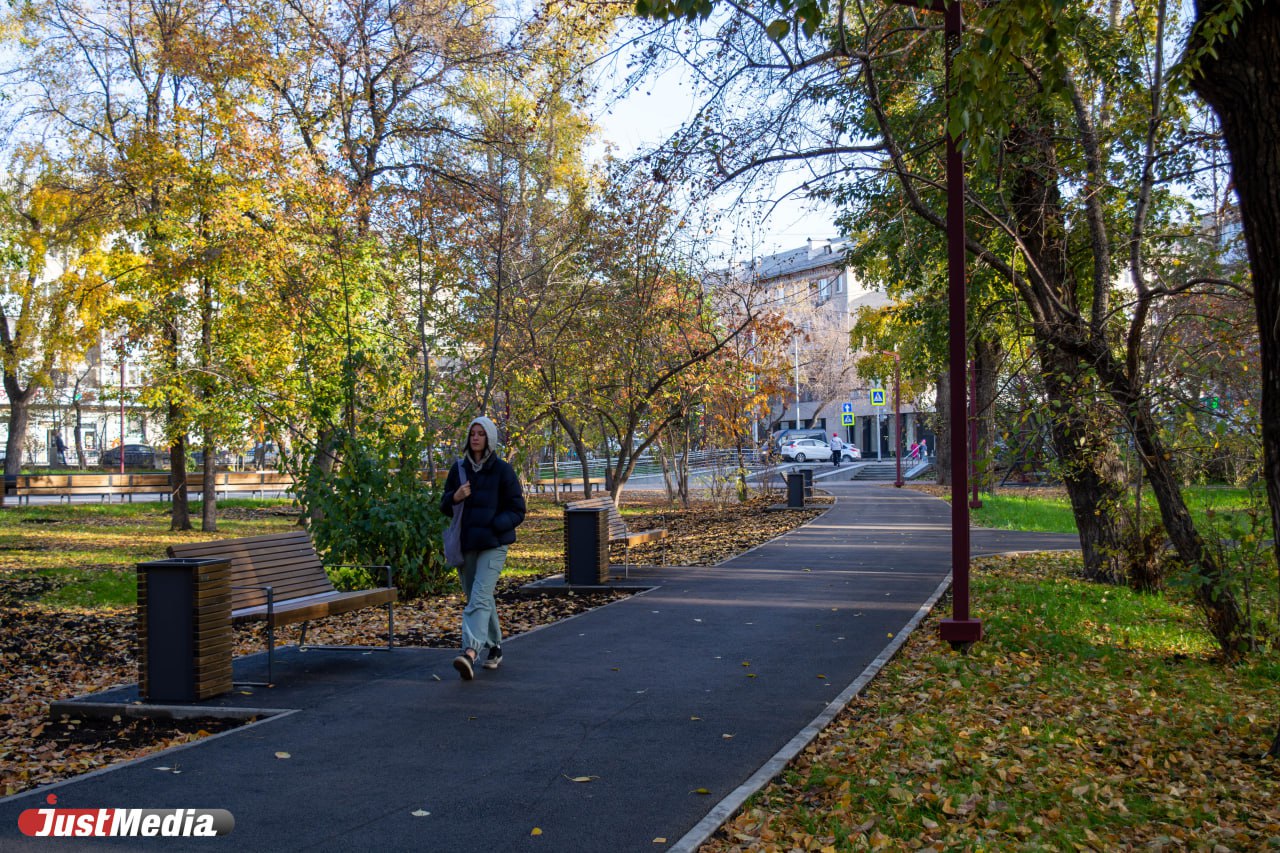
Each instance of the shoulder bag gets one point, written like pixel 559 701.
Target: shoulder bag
pixel 453 533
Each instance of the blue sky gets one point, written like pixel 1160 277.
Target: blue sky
pixel 651 112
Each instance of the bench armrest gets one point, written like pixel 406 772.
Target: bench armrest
pixel 271 597
pixel 363 566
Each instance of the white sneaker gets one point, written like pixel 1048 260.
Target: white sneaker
pixel 494 659
pixel 462 663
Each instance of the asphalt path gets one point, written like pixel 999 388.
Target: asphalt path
pixel 637 726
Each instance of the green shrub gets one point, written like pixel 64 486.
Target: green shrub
pixel 373 509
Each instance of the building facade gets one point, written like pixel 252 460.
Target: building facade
pixel 86 399
pixel 817 291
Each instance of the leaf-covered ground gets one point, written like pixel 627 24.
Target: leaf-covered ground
pixel 53 651
pixel 1089 718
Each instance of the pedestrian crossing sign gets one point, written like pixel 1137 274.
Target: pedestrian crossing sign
pixel 877 396
pixel 846 419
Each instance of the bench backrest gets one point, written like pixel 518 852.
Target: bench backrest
pixel 617 526
pixel 66 481
pixel 287 562
pixel 195 479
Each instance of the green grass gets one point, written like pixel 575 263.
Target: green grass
pixel 1049 511
pixel 1090 717
pixel 91 551
pixel 1025 511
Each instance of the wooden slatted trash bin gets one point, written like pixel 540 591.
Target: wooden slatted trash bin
pixel 795 490
pixel 184 629
pixel 586 546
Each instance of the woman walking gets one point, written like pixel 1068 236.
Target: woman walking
pixel 487 492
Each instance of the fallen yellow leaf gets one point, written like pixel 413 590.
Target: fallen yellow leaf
pixel 536 831
pixel 283 755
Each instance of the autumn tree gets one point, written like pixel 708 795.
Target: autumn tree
pixel 52 293
pixel 1043 137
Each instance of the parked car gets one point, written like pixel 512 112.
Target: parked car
pixel 221 460
pixel 782 439
pixel 803 449
pixel 135 456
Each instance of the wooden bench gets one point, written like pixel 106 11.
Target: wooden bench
pixel 102 485
pixel 561 483
pixel 253 482
pixel 106 485
pixel 279 579
pixel 618 530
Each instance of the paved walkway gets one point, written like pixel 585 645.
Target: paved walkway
pixel 706 683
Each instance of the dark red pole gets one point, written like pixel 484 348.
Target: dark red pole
pixel 959 630
pixel 975 502
pixel 122 407
pixel 897 416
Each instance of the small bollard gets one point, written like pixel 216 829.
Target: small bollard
pixel 795 491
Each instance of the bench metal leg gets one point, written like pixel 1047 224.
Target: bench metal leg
pixel 391 637
pixel 271 643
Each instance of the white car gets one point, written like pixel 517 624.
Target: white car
pixel 804 449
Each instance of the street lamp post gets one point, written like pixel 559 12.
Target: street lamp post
pixel 960 630
pixel 796 341
pixel 975 502
pixel 122 405
pixel 897 415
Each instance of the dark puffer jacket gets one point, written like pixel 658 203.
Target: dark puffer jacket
pixel 495 508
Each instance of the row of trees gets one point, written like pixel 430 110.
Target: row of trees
pixel 344 218
pixel 1109 265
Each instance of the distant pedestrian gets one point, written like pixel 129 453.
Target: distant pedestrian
pixel 486 490
pixel 60 447
pixel 915 450
pixel 837 449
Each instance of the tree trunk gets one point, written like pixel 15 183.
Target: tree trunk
pixel 942 429
pixel 321 464
pixel 178 479
pixel 79 433
pixel 988 354
pixel 1090 467
pixel 1241 81
pixel 1226 621
pixel 209 491
pixel 19 418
